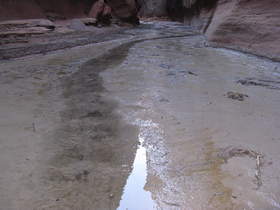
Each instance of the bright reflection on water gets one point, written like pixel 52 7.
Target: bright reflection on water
pixel 135 197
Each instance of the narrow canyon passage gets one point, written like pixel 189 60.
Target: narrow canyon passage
pixel 153 119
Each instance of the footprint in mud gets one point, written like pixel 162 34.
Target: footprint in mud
pixel 230 152
pixel 236 96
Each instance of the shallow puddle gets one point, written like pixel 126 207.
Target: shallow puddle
pixel 135 196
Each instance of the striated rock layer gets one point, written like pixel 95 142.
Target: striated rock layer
pixel 149 8
pixel 248 25
pixel 252 26
pixel 125 9
pixel 63 9
pixel 31 9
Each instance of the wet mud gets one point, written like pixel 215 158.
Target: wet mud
pixel 271 84
pixel 96 148
pixel 157 121
pixel 193 124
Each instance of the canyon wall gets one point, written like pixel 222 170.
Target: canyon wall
pixel 62 9
pixel 252 26
pixel 126 10
pixel 149 8
pixel 29 9
pixel 248 25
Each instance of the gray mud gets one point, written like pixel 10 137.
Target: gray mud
pixel 92 144
pixel 148 110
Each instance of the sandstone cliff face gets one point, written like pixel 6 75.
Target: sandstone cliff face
pixel 28 9
pixel 62 9
pixel 252 26
pixel 153 8
pixel 125 9
pixel 248 25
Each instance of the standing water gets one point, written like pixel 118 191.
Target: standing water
pixel 135 197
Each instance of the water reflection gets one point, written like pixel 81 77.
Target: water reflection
pixel 135 197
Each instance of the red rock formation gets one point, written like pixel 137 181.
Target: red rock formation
pixel 126 10
pixel 29 9
pixel 101 11
pixel 252 26
pixel 150 8
pixel 64 8
pixel 97 9
pixel 24 9
pixel 59 9
pixel 247 25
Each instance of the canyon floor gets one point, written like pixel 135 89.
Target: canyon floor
pixel 152 118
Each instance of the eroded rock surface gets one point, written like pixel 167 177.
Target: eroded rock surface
pixel 153 7
pixel 251 26
pixel 63 9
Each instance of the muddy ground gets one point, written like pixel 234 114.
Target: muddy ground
pixel 151 118
pixel 18 46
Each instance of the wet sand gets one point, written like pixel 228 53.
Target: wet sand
pixel 81 128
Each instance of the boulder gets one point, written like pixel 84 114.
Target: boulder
pixel 77 25
pixel 43 23
pixel 89 21
pixel 150 8
pixel 107 10
pixel 101 12
pixel 125 10
pixel 97 9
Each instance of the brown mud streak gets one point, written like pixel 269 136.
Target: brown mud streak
pixel 92 143
pixel 209 169
pixel 222 195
